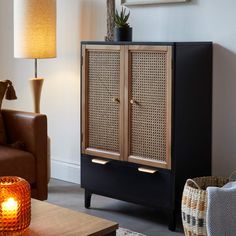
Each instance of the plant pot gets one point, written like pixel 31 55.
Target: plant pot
pixel 123 34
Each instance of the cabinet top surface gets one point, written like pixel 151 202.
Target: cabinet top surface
pixel 145 43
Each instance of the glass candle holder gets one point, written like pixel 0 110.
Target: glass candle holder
pixel 15 205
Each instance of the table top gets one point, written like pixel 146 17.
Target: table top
pixel 51 220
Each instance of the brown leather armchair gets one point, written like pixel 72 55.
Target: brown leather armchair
pixel 30 164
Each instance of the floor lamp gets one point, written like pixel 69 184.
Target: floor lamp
pixel 35 36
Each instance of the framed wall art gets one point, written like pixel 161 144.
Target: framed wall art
pixel 144 2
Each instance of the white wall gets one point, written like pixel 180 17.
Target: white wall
pixel 60 100
pixel 86 20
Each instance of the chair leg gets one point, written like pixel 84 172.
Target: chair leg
pixel 172 220
pixel 87 198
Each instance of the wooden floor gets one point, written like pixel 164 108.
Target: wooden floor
pixel 134 217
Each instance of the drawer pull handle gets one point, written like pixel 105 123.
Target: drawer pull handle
pixel 99 161
pixel 146 170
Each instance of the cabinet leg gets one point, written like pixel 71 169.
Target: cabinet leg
pixel 172 220
pixel 87 198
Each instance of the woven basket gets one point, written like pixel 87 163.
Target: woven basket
pixel 194 203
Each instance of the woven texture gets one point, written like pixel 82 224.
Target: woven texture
pixel 149 115
pixel 194 204
pixel 15 204
pixel 103 88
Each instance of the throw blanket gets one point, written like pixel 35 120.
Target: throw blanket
pixel 221 210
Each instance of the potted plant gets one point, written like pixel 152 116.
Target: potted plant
pixel 122 30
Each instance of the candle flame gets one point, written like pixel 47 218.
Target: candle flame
pixel 10 205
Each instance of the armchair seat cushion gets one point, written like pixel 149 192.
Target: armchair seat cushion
pixel 16 162
pixel 29 129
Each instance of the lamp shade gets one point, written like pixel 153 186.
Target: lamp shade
pixel 35 28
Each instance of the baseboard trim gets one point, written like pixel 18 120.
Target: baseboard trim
pixel 65 171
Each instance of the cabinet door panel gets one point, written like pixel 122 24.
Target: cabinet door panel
pixel 101 119
pixel 149 106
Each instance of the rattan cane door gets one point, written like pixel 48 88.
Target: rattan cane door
pixel 101 101
pixel 148 105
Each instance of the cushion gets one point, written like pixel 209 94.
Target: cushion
pixel 2 131
pixel 17 163
pixel 5 88
pixel 18 145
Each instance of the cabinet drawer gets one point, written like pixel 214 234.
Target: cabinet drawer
pixel 123 180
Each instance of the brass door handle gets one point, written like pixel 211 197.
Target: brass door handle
pixel 116 100
pixel 132 101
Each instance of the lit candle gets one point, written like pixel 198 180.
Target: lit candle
pixel 9 209
pixel 14 205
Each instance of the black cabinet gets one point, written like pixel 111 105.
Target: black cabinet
pixel 146 120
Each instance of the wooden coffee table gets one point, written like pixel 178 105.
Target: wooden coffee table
pixel 48 219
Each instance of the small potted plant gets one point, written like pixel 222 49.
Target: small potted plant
pixel 122 30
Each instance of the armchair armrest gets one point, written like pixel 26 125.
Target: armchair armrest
pixel 30 128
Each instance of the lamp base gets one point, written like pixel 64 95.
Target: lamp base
pixel 36 87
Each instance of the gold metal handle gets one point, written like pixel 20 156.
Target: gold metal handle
pixel 99 161
pixel 147 170
pixel 116 100
pixel 132 101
